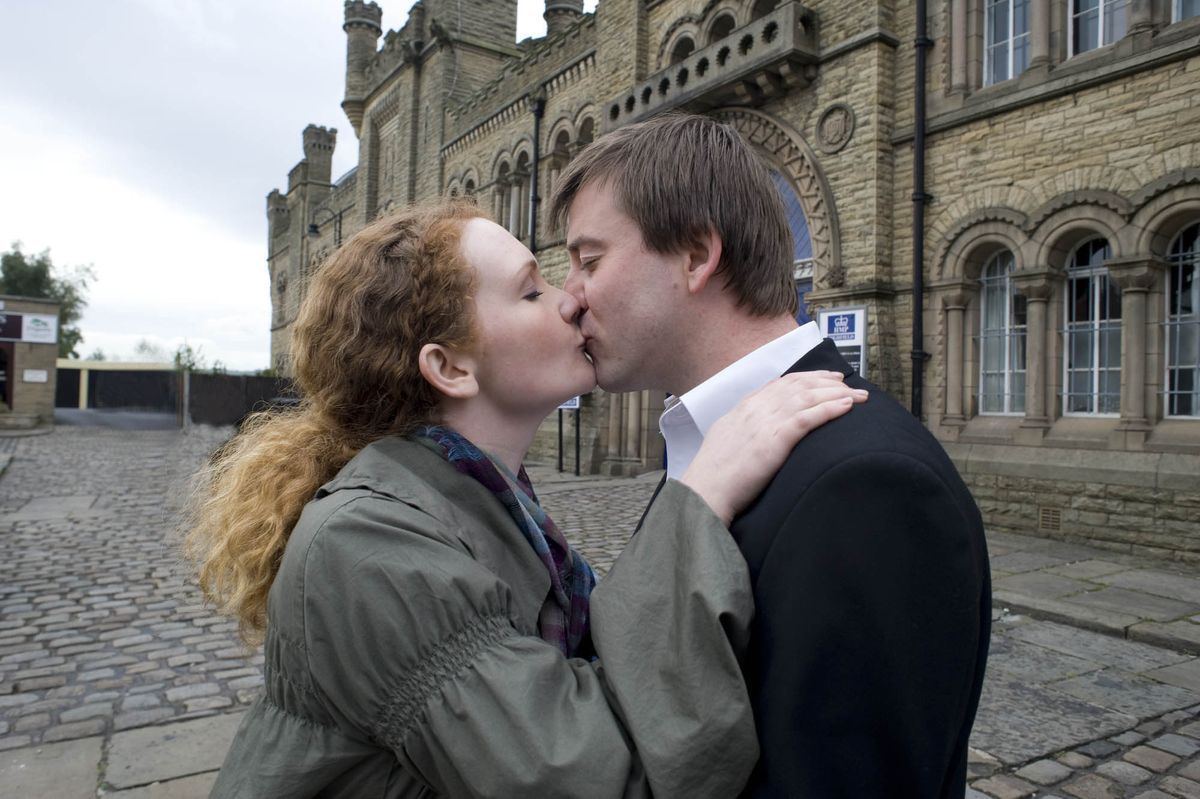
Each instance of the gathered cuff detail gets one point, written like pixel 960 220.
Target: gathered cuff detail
pixel 454 655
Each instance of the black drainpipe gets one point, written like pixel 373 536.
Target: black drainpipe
pixel 919 198
pixel 539 108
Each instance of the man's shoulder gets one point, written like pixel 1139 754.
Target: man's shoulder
pixel 878 439
pixel 879 426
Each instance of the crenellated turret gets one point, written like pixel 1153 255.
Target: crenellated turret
pixel 278 216
pixel 362 27
pixel 561 14
pixel 318 152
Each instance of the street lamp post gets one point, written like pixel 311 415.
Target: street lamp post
pixel 315 230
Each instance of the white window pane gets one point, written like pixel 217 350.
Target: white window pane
pixel 1087 31
pixel 1017 397
pixel 1110 348
pixel 1116 20
pixel 1020 56
pixel 1081 349
pixel 1189 345
pixel 1017 352
pixel 1020 23
pixel 998 23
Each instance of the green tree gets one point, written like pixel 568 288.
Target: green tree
pixel 146 350
pixel 97 355
pixel 189 358
pixel 28 275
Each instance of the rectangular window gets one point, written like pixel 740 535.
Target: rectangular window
pixel 1006 24
pixel 1186 8
pixel 1095 23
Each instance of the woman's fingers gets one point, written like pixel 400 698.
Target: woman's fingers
pixel 743 449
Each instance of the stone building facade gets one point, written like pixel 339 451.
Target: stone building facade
pixel 1061 268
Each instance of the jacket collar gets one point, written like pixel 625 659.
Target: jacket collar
pixel 412 472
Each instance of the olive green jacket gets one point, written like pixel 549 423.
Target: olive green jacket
pixel 402 657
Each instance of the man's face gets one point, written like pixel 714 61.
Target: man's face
pixel 629 297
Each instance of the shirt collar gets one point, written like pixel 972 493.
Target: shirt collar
pixel 717 395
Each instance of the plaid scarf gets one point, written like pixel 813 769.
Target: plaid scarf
pixel 563 619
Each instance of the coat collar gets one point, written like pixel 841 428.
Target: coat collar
pixel 412 472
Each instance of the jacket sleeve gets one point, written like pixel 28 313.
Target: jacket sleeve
pixel 866 650
pixel 423 656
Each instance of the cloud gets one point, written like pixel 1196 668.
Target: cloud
pixel 143 136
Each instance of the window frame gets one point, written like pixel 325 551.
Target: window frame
pixel 1007 332
pixel 1095 326
pixel 1008 44
pixel 1102 10
pixel 1175 260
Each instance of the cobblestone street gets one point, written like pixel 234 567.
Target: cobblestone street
pixel 110 662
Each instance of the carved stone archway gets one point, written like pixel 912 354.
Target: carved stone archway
pixel 789 152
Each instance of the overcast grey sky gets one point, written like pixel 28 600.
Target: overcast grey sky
pixel 142 136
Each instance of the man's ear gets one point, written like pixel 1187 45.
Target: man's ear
pixel 703 258
pixel 451 373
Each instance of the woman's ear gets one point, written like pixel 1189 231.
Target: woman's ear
pixel 451 373
pixel 703 258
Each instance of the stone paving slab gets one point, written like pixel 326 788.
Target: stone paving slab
pixel 1124 655
pixel 64 770
pixel 1127 693
pixel 1159 583
pixel 1018 722
pixel 1134 603
pixel 197 786
pixel 152 754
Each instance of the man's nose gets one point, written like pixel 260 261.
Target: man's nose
pixel 569 307
pixel 574 287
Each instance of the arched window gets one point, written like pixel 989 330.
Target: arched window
pixel 1001 339
pixel 502 194
pixel 469 187
pixel 682 49
pixel 762 8
pixel 1092 345
pixel 722 27
pixel 587 131
pixel 1183 325
pixel 518 222
pixel 802 260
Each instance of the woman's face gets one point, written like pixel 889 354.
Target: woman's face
pixel 531 355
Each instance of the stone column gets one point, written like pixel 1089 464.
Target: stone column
pixel 614 427
pixel 514 208
pixel 1037 286
pixel 958 46
pixel 1039 35
pixel 1141 16
pixel 633 427
pixel 1136 276
pixel 955 305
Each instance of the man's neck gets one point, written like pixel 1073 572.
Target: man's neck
pixel 713 347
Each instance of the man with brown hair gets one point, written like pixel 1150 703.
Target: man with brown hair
pixel 866 551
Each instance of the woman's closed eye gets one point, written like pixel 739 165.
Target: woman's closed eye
pixel 533 295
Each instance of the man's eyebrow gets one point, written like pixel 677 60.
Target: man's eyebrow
pixel 583 241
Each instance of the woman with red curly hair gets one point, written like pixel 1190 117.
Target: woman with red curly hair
pixel 426 628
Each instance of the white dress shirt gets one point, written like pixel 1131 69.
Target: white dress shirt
pixel 687 419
